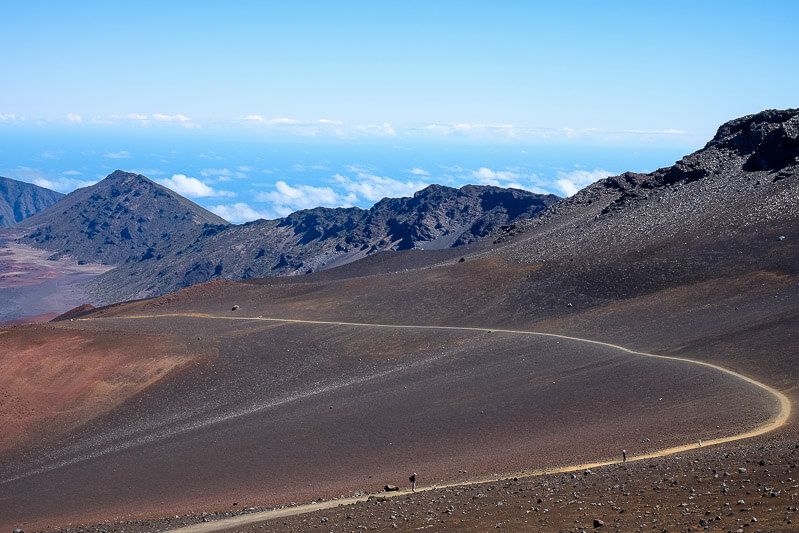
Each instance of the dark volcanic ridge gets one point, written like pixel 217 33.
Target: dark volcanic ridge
pixel 437 217
pixel 20 200
pixel 159 241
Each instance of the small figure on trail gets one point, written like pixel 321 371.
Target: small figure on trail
pixel 412 479
pixel 624 456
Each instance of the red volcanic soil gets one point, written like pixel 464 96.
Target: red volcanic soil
pixel 52 381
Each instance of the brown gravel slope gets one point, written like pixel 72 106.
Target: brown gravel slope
pixel 289 412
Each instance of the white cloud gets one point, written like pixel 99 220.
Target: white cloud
pixel 513 178
pixel 71 173
pixel 158 117
pixel 192 187
pixel 471 129
pixel 238 212
pixel 282 121
pixel 299 167
pixel 372 187
pixel 293 126
pixel 62 184
pixel 487 176
pixel 285 198
pixel 377 130
pixel 144 119
pixel 287 121
pixel 416 171
pixel 122 154
pixel 571 182
pixel 74 118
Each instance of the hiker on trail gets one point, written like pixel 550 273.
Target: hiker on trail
pixel 412 479
pixel 624 456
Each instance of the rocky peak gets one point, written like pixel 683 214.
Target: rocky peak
pixel 434 190
pixel 126 179
pixel 766 141
pixel 753 133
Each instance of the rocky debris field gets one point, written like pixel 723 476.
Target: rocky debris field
pixel 745 487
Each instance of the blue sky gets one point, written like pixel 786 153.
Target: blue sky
pixel 529 92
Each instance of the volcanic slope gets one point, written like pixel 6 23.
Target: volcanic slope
pixel 685 261
pixel 289 411
pixel 20 200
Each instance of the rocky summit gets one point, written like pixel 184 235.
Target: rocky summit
pixel 123 218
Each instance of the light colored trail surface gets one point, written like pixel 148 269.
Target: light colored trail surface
pixel 778 420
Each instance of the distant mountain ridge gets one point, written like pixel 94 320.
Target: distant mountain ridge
pixel 320 238
pixel 159 241
pixel 20 200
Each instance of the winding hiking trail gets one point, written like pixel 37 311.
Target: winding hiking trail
pixel 778 420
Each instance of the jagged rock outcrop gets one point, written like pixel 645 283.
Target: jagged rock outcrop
pixel 315 239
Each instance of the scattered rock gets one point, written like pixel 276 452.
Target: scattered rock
pixel 235 308
pixel 390 488
pixel 598 523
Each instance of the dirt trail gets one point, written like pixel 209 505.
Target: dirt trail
pixel 778 420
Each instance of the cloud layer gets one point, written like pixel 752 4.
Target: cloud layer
pixel 192 187
pixel 238 213
pixel 285 199
pixel 571 182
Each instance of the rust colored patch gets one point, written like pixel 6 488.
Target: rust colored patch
pixel 52 381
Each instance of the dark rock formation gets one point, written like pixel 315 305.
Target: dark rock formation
pixel 315 239
pixel 20 200
pixel 124 218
